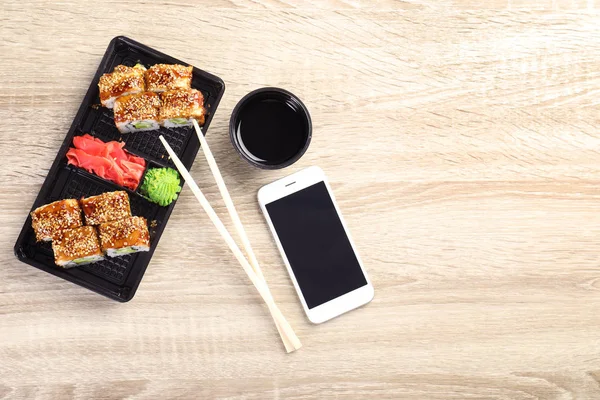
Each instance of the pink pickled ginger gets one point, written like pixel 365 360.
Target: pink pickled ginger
pixel 107 160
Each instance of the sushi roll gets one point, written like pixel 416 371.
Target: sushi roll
pixel 180 107
pixel 126 236
pixel 106 207
pixel 49 220
pixel 137 112
pixel 77 246
pixel 122 81
pixel 161 77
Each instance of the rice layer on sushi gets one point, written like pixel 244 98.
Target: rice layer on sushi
pixel 106 207
pixel 180 107
pixel 126 236
pixel 137 112
pixel 77 246
pixel 122 81
pixel 49 220
pixel 161 77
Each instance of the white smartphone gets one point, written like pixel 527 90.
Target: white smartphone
pixel 315 245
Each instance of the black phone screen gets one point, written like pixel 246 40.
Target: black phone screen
pixel 316 244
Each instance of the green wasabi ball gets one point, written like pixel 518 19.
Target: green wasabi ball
pixel 161 185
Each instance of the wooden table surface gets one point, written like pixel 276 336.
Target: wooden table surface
pixel 461 140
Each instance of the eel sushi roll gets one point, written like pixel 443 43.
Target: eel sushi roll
pixel 122 81
pixel 180 107
pixel 161 77
pixel 49 220
pixel 137 112
pixel 106 207
pixel 77 246
pixel 126 236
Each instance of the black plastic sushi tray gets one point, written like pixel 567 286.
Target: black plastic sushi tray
pixel 117 278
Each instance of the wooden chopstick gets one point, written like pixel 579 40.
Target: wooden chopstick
pixel 260 285
pixel 214 168
pixel 235 218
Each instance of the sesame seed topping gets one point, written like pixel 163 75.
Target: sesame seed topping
pixel 106 207
pixel 76 243
pixel 122 80
pixel 49 220
pixel 134 107
pixel 132 231
pixel 161 77
pixel 182 103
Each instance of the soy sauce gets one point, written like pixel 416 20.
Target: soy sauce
pixel 271 130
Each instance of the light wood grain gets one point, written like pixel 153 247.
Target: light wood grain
pixel 461 140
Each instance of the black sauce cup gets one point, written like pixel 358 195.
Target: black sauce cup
pixel 270 128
